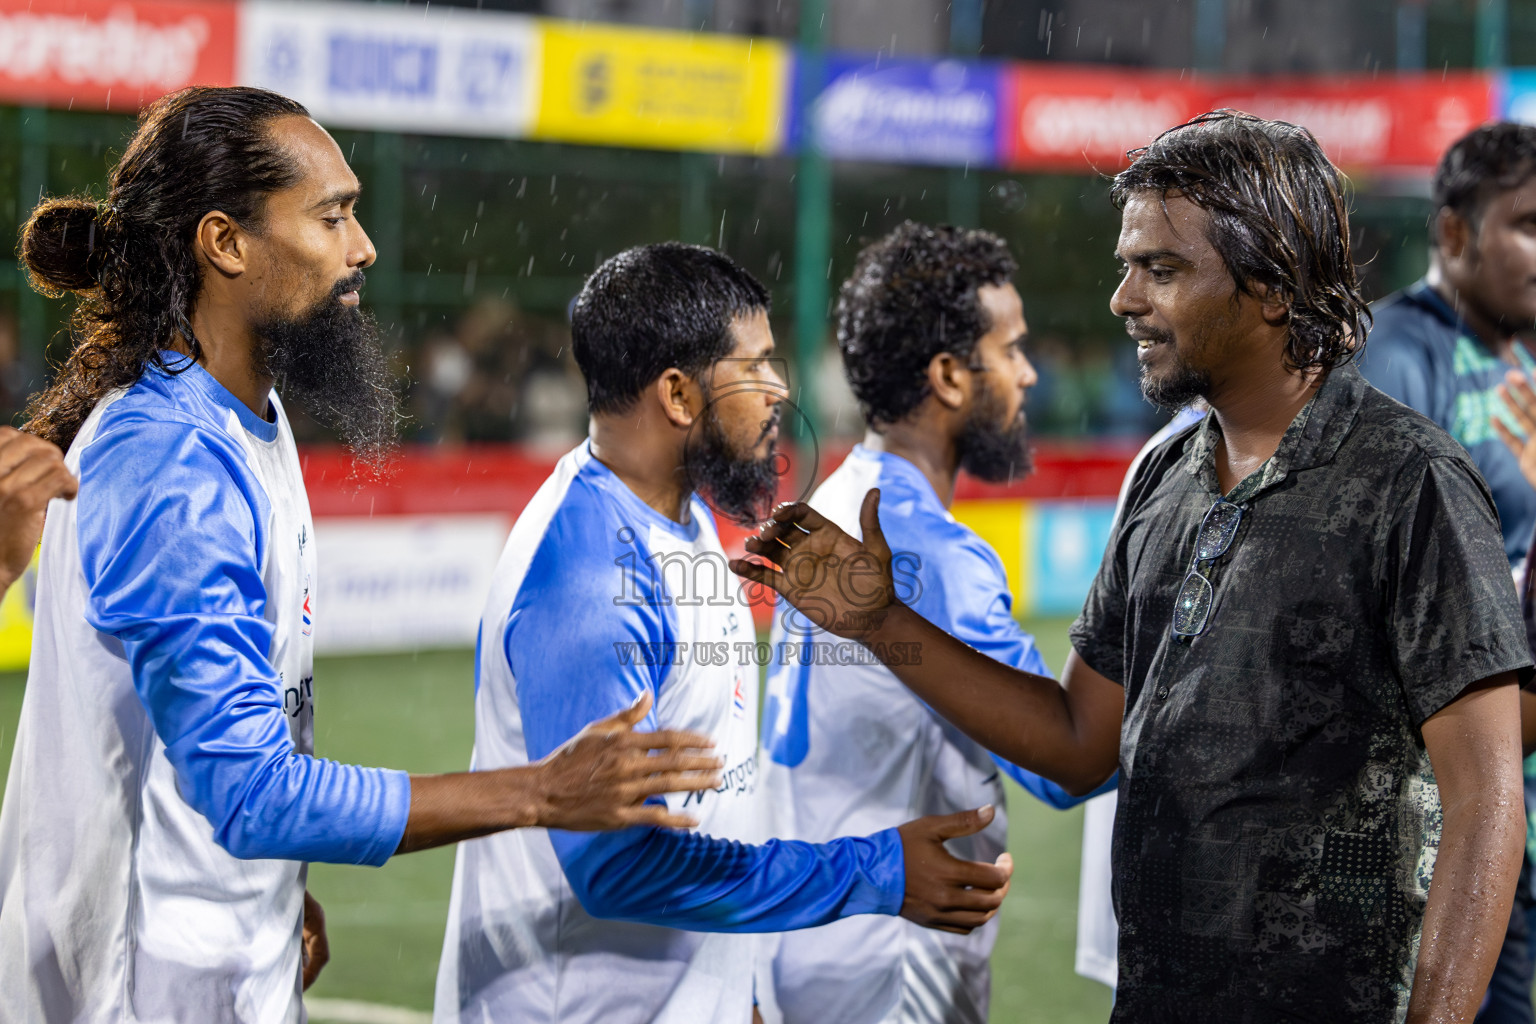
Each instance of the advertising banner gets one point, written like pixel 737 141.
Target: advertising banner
pixel 443 70
pixel 112 54
pixel 1516 96
pixel 664 90
pixel 1051 550
pixel 911 111
pixel 1083 119
pixel 16 621
pixel 1399 123
pixel 1079 118
pixel 1065 544
pixel 399 583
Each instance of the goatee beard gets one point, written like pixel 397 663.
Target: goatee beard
pixel 1180 386
pixel 990 450
pixel 329 360
pixel 741 489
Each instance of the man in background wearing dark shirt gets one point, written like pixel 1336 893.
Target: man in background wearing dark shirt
pixel 1442 347
pixel 1302 645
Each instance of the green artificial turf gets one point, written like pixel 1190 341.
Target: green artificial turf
pixel 386 924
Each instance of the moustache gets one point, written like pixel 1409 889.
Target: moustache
pixel 354 283
pixel 1142 331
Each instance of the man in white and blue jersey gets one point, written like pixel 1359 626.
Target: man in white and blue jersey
pixel 614 585
pixel 932 335
pixel 163 798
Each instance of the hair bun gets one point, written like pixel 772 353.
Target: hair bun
pixel 57 245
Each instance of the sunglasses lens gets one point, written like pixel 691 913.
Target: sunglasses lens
pixel 1193 605
pixel 1217 531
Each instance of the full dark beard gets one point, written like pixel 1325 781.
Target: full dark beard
pixel 741 489
pixel 989 449
pixel 329 360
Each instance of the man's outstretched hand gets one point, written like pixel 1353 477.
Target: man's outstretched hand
pixel 32 474
pixel 841 585
pixel 601 777
pixel 943 891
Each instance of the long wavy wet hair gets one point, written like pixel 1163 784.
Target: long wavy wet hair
pixel 130 257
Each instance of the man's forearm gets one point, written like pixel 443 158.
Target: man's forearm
pixel 1026 718
pixel 1474 748
pixel 1468 910
pixel 466 805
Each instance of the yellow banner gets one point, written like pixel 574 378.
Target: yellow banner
pixel 16 622
pixel 666 90
pixel 1008 525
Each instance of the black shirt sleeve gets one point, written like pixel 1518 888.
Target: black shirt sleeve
pixel 1098 635
pixel 1454 615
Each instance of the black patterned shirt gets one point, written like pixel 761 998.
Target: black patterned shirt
pixel 1278 816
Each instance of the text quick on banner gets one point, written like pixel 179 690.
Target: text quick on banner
pixel 668 90
pixel 112 54
pixel 441 69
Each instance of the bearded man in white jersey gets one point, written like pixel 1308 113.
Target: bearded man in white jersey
pixel 932 335
pixel 163 799
pixel 613 586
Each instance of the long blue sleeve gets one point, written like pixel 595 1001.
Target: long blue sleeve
pixel 172 540
pixel 685 880
pixel 574 653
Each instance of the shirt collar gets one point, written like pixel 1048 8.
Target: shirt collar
pixel 1312 439
pixel 902 469
pixel 188 369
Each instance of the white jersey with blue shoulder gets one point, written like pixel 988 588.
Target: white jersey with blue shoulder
pixel 848 748
pixel 597 599
pixel 162 799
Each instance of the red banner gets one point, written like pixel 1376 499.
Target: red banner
pixel 1081 119
pixel 112 54
pixel 1400 123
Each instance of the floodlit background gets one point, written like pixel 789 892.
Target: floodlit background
pixel 506 147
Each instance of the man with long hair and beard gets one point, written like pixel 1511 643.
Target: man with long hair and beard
pixel 614 585
pixel 163 799
pixel 932 334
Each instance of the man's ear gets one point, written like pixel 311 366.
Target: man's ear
pixel 1452 234
pixel 223 243
pixel 680 397
pixel 1274 307
pixel 949 381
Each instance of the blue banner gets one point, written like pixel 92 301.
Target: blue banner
pixel 1069 541
pixel 910 111
pixel 1516 96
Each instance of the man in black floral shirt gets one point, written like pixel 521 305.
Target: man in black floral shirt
pixel 1302 647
